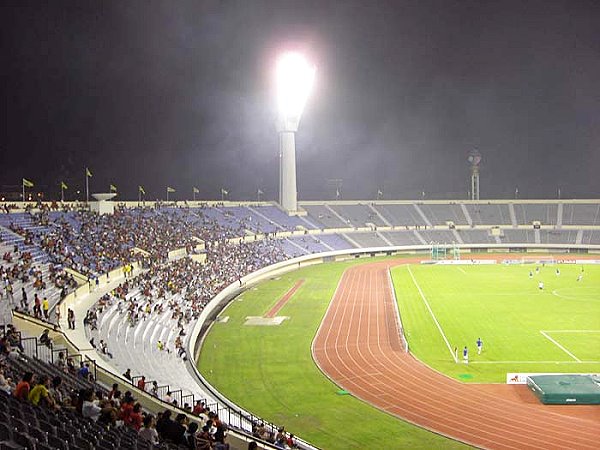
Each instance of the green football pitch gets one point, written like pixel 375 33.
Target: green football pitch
pixel 270 371
pixel 523 328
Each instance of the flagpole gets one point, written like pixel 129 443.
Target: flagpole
pixel 139 195
pixel 87 186
pixel 62 193
pixel 194 194
pixel 222 196
pixel 23 183
pixel 258 196
pixel 167 194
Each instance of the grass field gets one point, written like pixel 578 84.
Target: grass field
pixel 270 371
pixel 524 329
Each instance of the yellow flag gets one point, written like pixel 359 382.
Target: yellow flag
pixel 88 173
pixel 196 190
pixel 27 183
pixel 141 189
pixel 170 189
pixel 63 185
pixel 113 188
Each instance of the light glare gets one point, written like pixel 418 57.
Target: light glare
pixel 294 80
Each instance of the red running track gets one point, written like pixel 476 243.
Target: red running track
pixel 358 346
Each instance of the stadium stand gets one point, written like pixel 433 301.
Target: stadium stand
pixel 325 217
pixel 527 213
pixel 440 214
pixel 358 215
pixel 401 214
pixel 581 214
pixel 489 214
pixel 368 239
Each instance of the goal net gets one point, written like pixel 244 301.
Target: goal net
pixel 539 260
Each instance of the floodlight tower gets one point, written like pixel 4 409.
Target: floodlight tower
pixel 474 159
pixel 294 80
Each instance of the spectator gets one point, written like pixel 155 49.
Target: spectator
pixel 24 386
pixel 134 419
pixel 189 436
pixel 148 431
pixel 39 395
pixel 114 388
pixel 90 408
pixel 175 429
pixel 45 338
pixel 71 319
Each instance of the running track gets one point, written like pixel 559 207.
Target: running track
pixel 359 348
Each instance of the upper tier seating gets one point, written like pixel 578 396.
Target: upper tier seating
pixel 358 215
pixel 443 213
pixel 401 214
pixel 581 214
pixel 489 214
pixel 526 213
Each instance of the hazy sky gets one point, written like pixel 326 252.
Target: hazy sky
pixel 181 93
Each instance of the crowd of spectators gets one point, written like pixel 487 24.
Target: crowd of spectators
pixel 92 245
pixel 183 287
pixel 27 285
pixel 53 392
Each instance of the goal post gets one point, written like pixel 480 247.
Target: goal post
pixel 538 260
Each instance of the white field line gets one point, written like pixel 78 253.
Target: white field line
pixel 560 346
pixel 532 362
pixel 432 315
pixel 461 269
pixel 572 331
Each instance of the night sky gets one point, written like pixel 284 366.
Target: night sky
pixel 181 93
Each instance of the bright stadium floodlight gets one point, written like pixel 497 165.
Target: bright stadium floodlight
pixel 294 80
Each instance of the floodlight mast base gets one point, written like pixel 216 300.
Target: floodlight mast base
pixel 288 197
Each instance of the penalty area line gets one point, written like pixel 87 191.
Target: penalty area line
pixel 560 346
pixel 439 327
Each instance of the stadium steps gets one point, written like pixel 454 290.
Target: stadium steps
pixel 384 239
pixel 457 237
pixel 335 213
pixel 559 215
pixel 422 214
pixel 262 216
pixel 513 216
pixel 311 226
pixel 538 239
pixel 325 244
pixel 579 238
pixel 352 241
pixel 298 246
pixel 419 237
pixel 383 219
pixel 466 213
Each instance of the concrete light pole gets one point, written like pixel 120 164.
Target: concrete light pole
pixel 294 80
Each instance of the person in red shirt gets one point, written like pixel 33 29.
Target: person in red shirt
pixel 142 383
pixel 198 408
pixel 135 417
pixel 126 409
pixel 24 386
